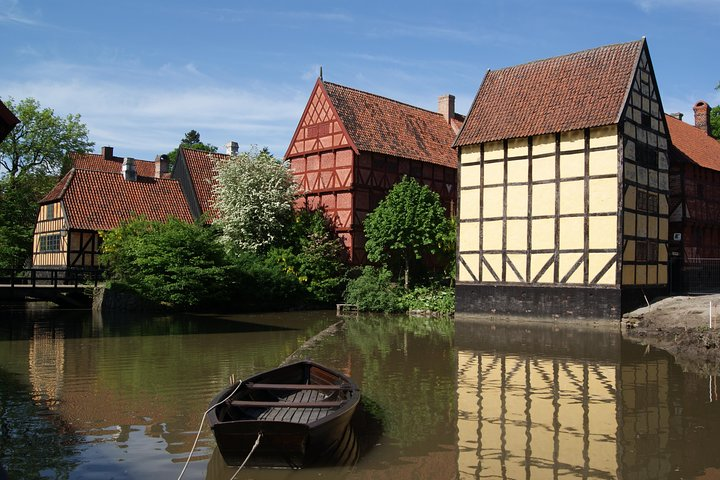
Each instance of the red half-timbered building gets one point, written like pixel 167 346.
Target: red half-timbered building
pixel 694 193
pixel 350 147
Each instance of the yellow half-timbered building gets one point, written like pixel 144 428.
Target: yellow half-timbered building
pixel 88 201
pixel 563 187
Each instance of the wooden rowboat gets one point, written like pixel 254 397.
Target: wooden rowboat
pixel 303 411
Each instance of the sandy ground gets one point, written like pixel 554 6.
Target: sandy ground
pixel 680 325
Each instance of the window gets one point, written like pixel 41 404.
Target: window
pixel 646 156
pixel 50 243
pixel 646 251
pixel 647 202
pixel 645 119
pixel 49 212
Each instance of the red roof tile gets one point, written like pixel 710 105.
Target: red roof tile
pixel 100 200
pixel 692 143
pixel 579 90
pixel 201 166
pixel 378 124
pixel 7 121
pixel 94 161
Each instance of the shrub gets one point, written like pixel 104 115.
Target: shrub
pixel 373 291
pixel 171 262
pixel 438 299
pixel 255 282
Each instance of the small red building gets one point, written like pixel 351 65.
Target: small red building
pixel 350 147
pixel 694 194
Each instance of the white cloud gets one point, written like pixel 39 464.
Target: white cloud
pixel 10 12
pixel 143 113
pixel 649 5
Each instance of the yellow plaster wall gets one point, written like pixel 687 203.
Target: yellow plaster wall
pixel 492 235
pixel 470 176
pixel 518 171
pixel 473 262
pixel 494 174
pixel 517 201
pixel 543 234
pixel 603 193
pixel 469 238
pixel 572 164
pixel 470 204
pixel 517 234
pixel 470 154
pixel 596 262
pixel 572 195
pixel 492 202
pixel 572 233
pixel 493 151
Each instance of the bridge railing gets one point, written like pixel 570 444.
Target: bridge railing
pixel 39 277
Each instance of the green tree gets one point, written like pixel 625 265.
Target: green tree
pixel 190 140
pixel 31 157
pixel 18 214
pixel 715 122
pixel 407 224
pixel 313 254
pixel 169 262
pixel 42 141
pixel 254 196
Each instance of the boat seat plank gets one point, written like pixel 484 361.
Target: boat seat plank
pixel 281 404
pixel 294 386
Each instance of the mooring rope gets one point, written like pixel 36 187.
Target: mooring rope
pixel 257 442
pixel 202 422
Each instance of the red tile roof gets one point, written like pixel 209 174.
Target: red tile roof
pixel 94 161
pixel 693 144
pixel 579 90
pixel 201 166
pixel 7 121
pixel 100 200
pixel 378 124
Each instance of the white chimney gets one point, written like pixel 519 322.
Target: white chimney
pixel 231 148
pixel 128 169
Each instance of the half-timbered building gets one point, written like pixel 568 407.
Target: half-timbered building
pixel 7 121
pixel 195 170
pixel 350 147
pixel 563 179
pixel 694 200
pixel 88 201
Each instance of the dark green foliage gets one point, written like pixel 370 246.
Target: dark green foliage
pixel 42 141
pixel 18 215
pixel 374 291
pixel 430 299
pixel 408 223
pixel 190 140
pixel 312 253
pixel 173 263
pixel 31 157
pixel 715 122
pixel 256 283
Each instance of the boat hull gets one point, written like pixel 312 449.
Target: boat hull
pixel 329 440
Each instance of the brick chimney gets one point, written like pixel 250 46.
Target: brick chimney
pixel 446 106
pixel 128 169
pixel 107 153
pixel 702 116
pixel 231 148
pixel 162 165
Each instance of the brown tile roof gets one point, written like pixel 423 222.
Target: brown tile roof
pixel 95 161
pixel 579 90
pixel 378 124
pixel 100 200
pixel 691 143
pixel 201 166
pixel 7 121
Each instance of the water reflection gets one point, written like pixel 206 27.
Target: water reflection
pixel 119 396
pixel 541 400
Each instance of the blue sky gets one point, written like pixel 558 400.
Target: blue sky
pixel 142 73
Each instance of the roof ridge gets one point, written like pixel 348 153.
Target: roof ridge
pixel 382 97
pixel 567 55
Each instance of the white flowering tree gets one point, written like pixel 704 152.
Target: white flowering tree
pixel 254 196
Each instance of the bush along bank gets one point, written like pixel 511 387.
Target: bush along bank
pixel 375 291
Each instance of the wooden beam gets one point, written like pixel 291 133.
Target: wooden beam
pixel 251 404
pixel 295 386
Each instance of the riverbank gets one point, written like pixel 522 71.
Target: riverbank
pixel 681 326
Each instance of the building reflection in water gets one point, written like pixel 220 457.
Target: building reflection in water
pixel 528 408
pixel 46 364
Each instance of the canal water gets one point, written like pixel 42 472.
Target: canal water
pixel 90 396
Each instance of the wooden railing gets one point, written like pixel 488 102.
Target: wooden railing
pixel 44 278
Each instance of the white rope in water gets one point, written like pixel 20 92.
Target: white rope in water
pixel 202 422
pixel 257 442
